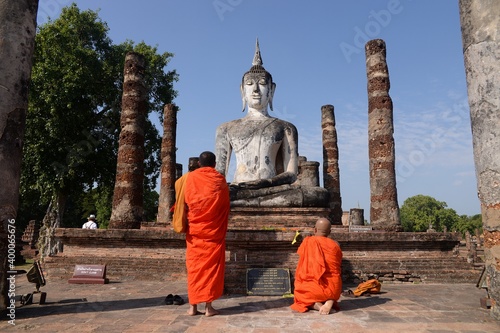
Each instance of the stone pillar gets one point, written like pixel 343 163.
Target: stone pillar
pixel 17 42
pixel 193 163
pixel 480 22
pixel 308 173
pixel 128 195
pixel 356 216
pixel 384 209
pixel 168 164
pixel 331 173
pixel 178 170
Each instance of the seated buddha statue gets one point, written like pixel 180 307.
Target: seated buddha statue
pixel 265 149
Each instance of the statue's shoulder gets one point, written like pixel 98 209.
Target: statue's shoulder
pixel 285 124
pixel 231 123
pixel 224 127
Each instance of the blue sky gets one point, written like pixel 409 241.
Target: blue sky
pixel 315 52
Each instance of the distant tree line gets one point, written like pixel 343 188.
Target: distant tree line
pixel 421 212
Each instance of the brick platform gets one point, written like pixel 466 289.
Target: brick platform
pixel 158 254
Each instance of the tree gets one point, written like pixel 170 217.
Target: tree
pixel 17 36
pixel 73 117
pixel 470 224
pixel 421 211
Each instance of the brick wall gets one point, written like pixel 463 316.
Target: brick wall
pixel 159 254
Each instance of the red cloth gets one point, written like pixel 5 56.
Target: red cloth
pixel 318 277
pixel 207 197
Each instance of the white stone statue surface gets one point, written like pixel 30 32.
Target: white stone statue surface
pixel 265 148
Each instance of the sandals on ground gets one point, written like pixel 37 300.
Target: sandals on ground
pixel 174 299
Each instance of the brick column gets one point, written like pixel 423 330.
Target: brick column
pixel 480 21
pixel 384 209
pixel 128 195
pixel 168 164
pixel 308 173
pixel 356 216
pixel 331 173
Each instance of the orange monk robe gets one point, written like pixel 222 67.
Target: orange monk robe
pixel 318 276
pixel 179 218
pixel 207 197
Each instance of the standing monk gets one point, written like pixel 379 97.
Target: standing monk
pixel 318 280
pixel 207 197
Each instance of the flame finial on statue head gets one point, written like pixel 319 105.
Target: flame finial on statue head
pixel 257 58
pixel 257 67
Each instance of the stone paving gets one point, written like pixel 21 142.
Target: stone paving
pixel 138 306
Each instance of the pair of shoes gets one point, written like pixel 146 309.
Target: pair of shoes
pixel 173 299
pixel 178 300
pixel 169 300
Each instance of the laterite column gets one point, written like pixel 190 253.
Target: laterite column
pixel 384 209
pixel 128 195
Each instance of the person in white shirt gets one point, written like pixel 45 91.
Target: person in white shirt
pixel 90 224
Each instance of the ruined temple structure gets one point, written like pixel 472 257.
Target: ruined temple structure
pixel 30 239
pixel 128 194
pixel 331 172
pixel 480 22
pixel 384 209
pixel 263 236
pixel 168 164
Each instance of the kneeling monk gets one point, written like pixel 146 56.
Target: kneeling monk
pixel 318 280
pixel 207 197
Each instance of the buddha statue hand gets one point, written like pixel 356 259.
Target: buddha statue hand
pixel 255 184
pixel 281 179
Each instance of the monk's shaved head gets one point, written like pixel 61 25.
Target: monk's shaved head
pixel 323 227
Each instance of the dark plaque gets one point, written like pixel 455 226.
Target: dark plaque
pixel 95 274
pixel 268 281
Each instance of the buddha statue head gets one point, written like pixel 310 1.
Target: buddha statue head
pixel 257 86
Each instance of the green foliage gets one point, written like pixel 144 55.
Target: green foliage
pixel 420 212
pixel 73 120
pixel 470 224
pixel 151 200
pixel 97 201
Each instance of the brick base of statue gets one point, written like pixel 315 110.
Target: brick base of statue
pixel 159 254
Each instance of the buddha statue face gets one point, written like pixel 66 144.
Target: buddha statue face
pixel 257 90
pixel 257 86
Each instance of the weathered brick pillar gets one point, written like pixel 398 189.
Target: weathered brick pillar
pixel 384 209
pixel 308 173
pixel 480 21
pixel 331 173
pixel 168 164
pixel 356 216
pixel 178 170
pixel 129 190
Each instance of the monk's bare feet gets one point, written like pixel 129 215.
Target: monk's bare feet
pixel 210 311
pixel 326 308
pixel 317 306
pixel 193 310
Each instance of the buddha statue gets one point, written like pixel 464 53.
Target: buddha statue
pixel 265 148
